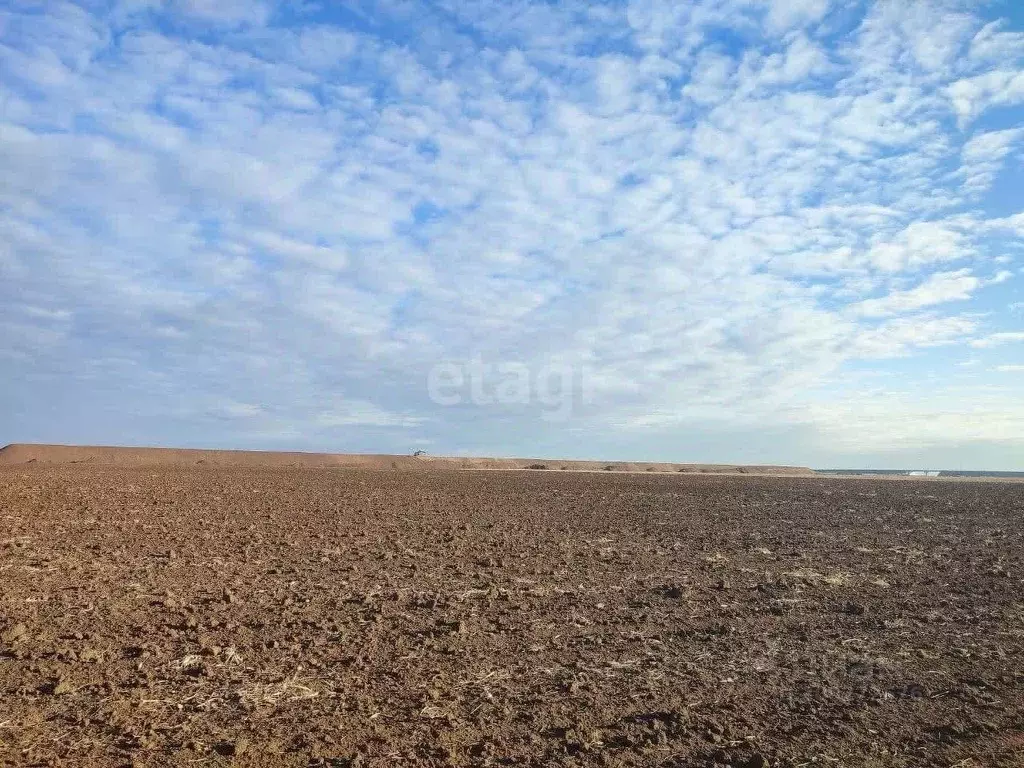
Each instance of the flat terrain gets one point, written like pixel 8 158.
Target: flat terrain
pixel 174 615
pixel 29 453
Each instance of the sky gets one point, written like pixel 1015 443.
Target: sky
pixel 785 231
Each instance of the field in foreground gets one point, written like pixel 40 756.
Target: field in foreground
pixel 215 616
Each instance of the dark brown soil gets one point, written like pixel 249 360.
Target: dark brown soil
pixel 216 616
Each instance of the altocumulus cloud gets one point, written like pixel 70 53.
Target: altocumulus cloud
pixel 767 231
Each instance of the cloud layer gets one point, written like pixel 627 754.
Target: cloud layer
pixel 258 224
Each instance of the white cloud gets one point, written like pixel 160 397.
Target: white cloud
pixel 1001 276
pixel 919 37
pixel 998 339
pixel 801 60
pixel 983 156
pixel 896 337
pixel 786 14
pixel 295 98
pixel 891 421
pixel 920 244
pixel 973 95
pixel 994 43
pixel 230 12
pixel 939 288
pixel 710 77
pixel 1010 368
pixel 233 410
pixel 363 413
pixel 314 255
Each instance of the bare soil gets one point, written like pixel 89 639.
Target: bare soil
pixel 172 615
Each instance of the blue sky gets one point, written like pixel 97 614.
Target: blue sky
pixel 756 231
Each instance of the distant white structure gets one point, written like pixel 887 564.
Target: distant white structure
pixel 924 473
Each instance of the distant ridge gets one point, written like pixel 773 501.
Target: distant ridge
pixel 26 453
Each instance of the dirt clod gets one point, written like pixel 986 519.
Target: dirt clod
pixel 14 634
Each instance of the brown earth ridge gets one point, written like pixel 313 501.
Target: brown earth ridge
pixel 24 453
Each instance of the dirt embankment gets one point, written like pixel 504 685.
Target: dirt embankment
pixel 25 453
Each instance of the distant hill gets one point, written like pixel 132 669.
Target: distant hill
pixel 26 453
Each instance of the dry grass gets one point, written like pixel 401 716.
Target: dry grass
pixel 274 694
pixel 815 578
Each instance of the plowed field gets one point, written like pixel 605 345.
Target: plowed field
pixel 215 616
